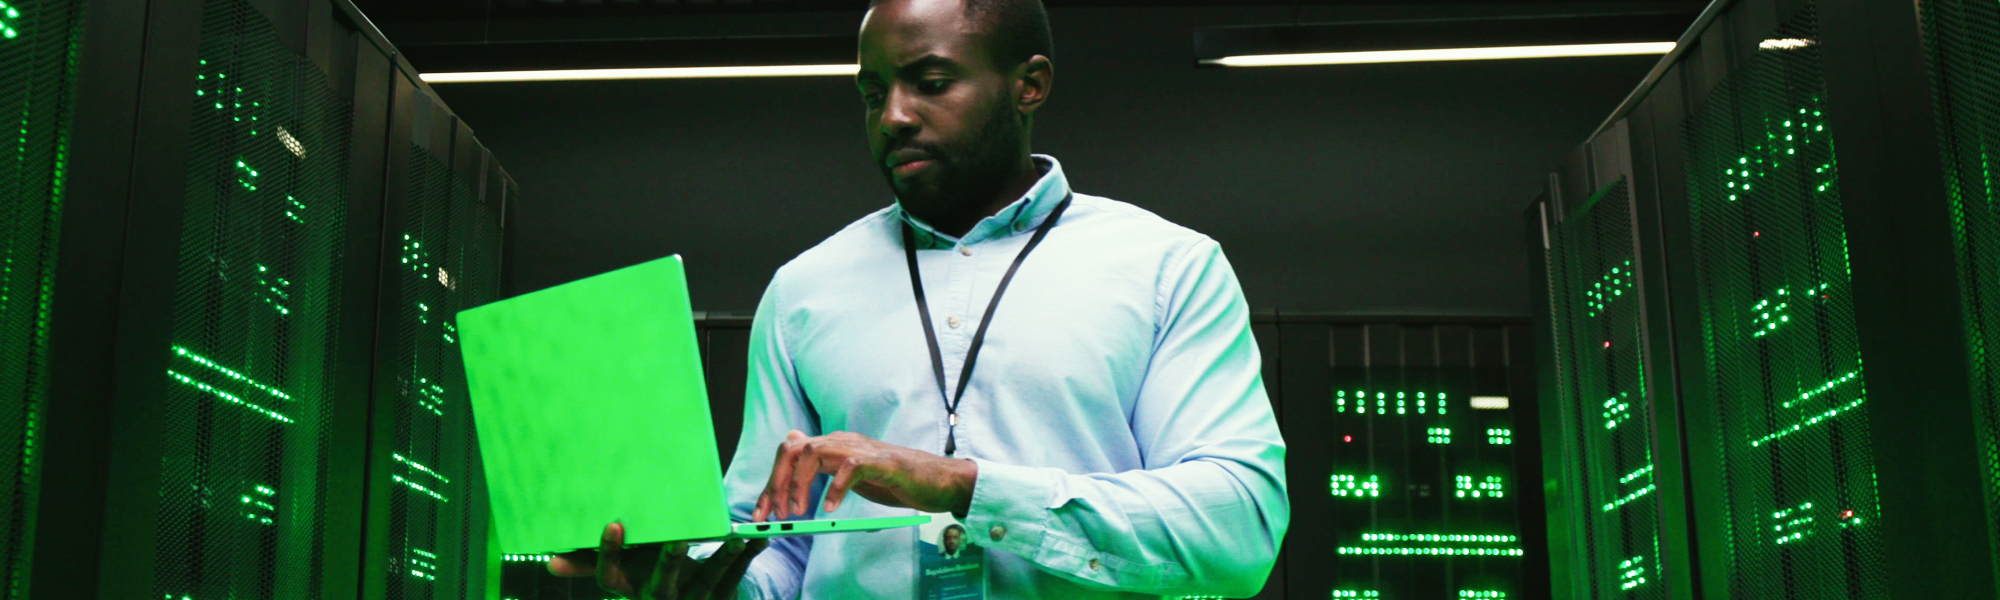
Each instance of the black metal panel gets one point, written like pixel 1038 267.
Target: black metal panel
pixel 446 260
pixel 1781 357
pixel 38 46
pixel 1963 45
pixel 256 319
pixel 1423 496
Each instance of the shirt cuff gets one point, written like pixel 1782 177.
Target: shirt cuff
pixel 1011 506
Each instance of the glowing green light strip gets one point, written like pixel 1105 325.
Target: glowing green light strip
pixel 419 466
pixel 1613 505
pixel 1432 551
pixel 1481 594
pixel 535 558
pixel 419 487
pixel 1815 420
pixel 231 373
pixel 1824 388
pixel 1350 594
pixel 228 397
pixel 1635 474
pixel 1438 537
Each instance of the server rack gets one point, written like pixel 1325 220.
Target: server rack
pixel 1807 218
pixel 1412 472
pixel 206 346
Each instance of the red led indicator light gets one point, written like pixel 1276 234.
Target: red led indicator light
pixel 1756 234
pixel 1607 343
pixel 1847 514
pixel 1347 438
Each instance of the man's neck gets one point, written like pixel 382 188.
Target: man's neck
pixel 1022 181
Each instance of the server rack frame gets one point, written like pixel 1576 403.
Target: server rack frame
pixel 111 316
pixel 111 312
pixel 1898 224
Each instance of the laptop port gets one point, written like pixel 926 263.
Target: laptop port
pixel 764 527
pixel 785 527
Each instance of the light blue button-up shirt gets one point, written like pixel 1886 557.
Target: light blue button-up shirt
pixel 1125 444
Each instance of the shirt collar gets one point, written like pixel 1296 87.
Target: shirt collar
pixel 1024 214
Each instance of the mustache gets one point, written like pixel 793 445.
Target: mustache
pixel 932 150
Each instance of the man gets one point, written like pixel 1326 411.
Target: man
pixel 951 540
pixel 1089 407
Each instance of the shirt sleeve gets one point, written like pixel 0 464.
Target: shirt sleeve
pixel 773 406
pixel 1207 513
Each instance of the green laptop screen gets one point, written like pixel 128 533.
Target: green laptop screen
pixel 590 407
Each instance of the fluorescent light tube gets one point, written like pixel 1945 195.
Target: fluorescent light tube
pixel 658 73
pixel 1442 54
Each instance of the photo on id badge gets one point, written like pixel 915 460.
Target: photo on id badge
pixel 949 566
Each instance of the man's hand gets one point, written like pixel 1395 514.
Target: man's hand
pixel 885 474
pixel 659 571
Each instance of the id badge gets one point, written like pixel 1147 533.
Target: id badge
pixel 949 566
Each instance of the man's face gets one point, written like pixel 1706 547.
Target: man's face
pixel 942 118
pixel 953 538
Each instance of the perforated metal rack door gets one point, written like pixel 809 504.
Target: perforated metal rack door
pixel 1962 41
pixel 37 43
pixel 449 262
pixel 1424 491
pixel 243 476
pixel 1780 349
pixel 1606 415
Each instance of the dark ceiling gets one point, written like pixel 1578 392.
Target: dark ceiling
pixel 411 11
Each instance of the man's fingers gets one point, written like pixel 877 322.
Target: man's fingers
pixel 707 582
pixel 799 489
pixel 836 492
pixel 726 584
pixel 610 549
pixel 664 584
pixel 581 563
pixel 781 473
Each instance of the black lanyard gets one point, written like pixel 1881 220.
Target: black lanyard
pixel 979 336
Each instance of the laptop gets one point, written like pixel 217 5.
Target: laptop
pixel 589 406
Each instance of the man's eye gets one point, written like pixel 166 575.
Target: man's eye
pixel 873 100
pixel 933 86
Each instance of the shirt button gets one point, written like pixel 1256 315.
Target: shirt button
pixel 965 250
pixel 952 321
pixel 997 532
pixel 1094 565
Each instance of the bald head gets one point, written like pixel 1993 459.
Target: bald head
pixel 1012 31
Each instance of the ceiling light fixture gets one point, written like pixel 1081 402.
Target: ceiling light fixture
pixel 656 73
pixel 1441 54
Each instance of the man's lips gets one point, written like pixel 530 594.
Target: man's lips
pixel 912 167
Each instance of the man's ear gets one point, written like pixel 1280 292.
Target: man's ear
pixel 1033 79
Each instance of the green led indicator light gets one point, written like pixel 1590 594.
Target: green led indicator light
pixel 1489 487
pixel 7 26
pixel 1356 594
pixel 1500 437
pixel 1440 537
pixel 1617 411
pixel 1823 388
pixel 1631 574
pixel 1809 422
pixel 1482 594
pixel 1432 551
pixel 1350 485
pixel 1792 524
pixel 527 558
pixel 1609 287
pixel 1360 404
pixel 1628 498
pixel 1635 475
pixel 1438 435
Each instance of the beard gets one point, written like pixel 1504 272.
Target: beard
pixel 969 170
